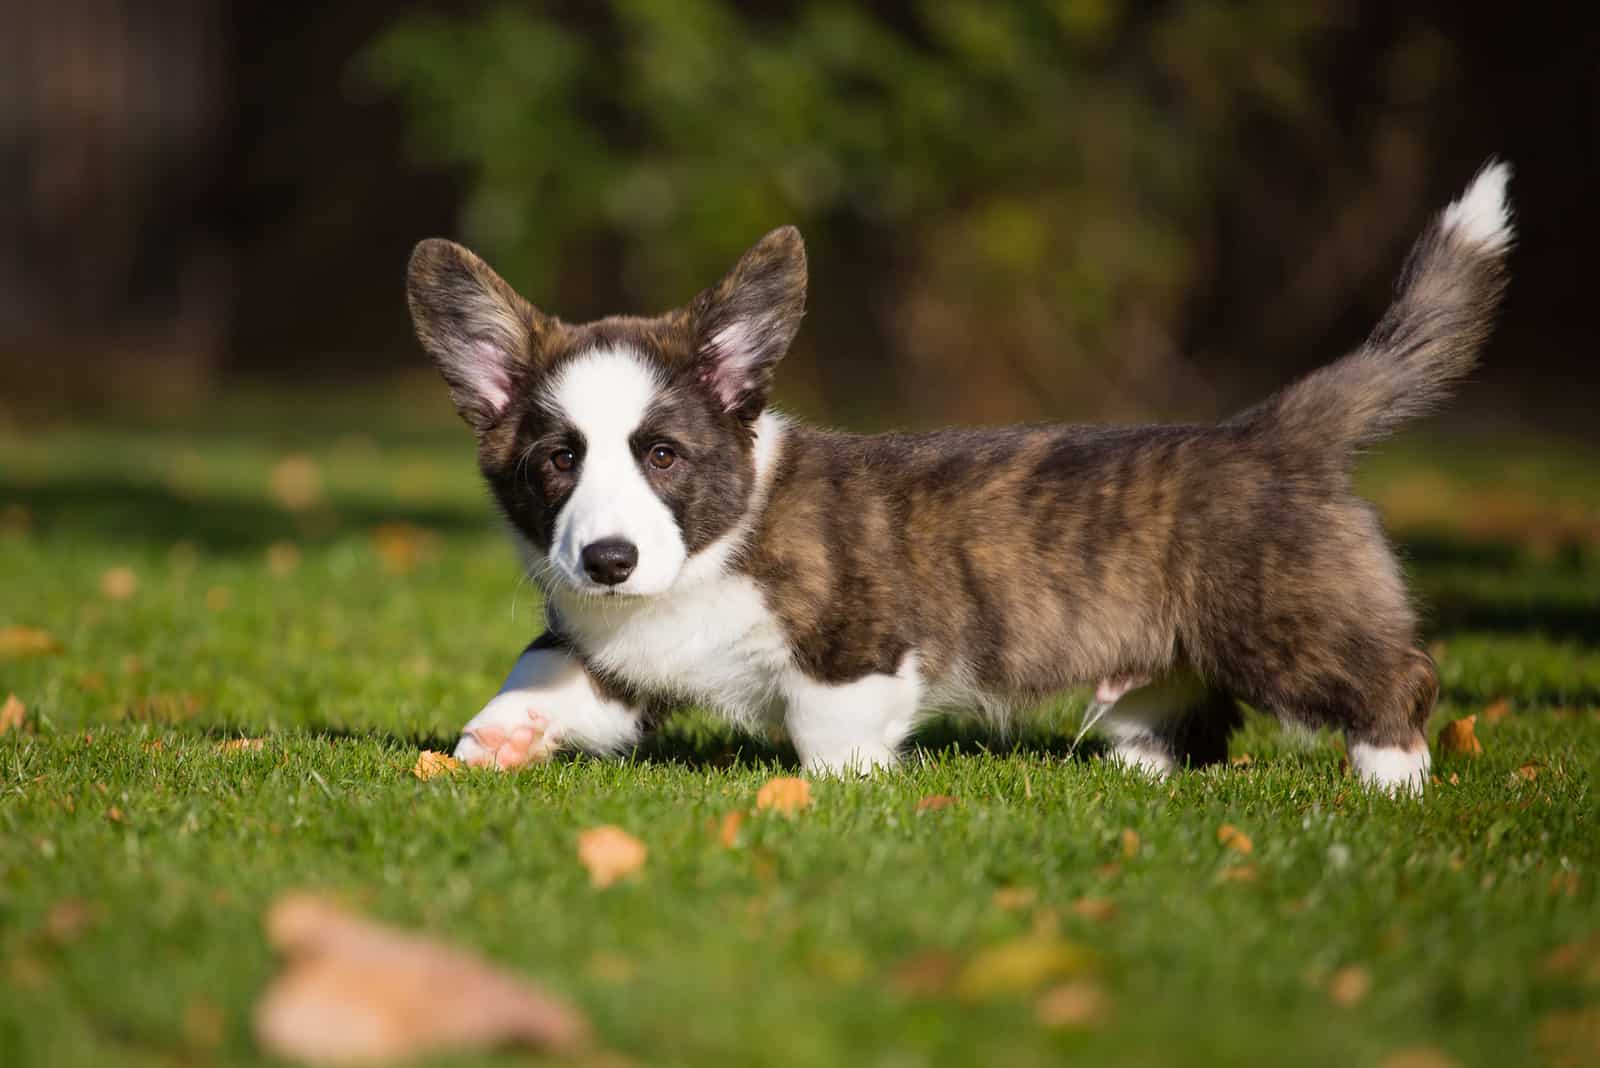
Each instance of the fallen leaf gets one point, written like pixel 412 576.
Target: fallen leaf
pixel 67 919
pixel 282 558
pixel 1564 884
pixel 119 583
pixel 1242 760
pixel 610 853
pixel 203 1023
pixel 295 482
pixel 1459 736
pixel 1570 1038
pixel 114 814
pixel 1235 839
pixel 18 641
pixel 1529 772
pixel 934 802
pixel 1575 960
pixel 431 763
pixel 1497 711
pixel 12 714
pixel 1130 843
pixel 1099 909
pixel 925 974
pixel 1349 985
pixel 1023 964
pixel 1238 873
pixel 358 992
pixel 241 745
pixel 728 829
pixel 1419 1057
pixel 218 598
pixel 402 546
pixel 786 795
pixel 1012 898
pixel 1079 1003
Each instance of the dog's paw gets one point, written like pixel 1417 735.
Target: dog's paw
pixel 508 733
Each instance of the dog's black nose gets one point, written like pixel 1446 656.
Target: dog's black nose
pixel 610 560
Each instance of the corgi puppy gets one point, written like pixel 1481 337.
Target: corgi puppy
pixel 695 547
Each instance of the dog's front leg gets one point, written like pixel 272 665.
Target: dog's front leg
pixel 854 726
pixel 548 702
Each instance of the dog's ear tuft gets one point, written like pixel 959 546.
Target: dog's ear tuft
pixel 744 323
pixel 481 334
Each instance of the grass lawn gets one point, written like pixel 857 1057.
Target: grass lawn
pixel 348 598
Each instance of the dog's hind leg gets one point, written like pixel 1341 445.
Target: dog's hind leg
pixel 1388 746
pixel 1174 722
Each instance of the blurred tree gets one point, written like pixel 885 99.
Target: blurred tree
pixel 1004 197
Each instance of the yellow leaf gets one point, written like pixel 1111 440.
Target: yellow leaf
pixel 119 583
pixel 218 598
pixel 1013 967
pixel 1459 736
pixel 12 714
pixel 282 558
pixel 1238 873
pixel 1095 908
pixel 17 642
pixel 787 795
pixel 1130 843
pixel 241 745
pixel 610 853
pixel 431 763
pixel 1077 1003
pixel 1012 898
pixel 296 483
pixel 1235 839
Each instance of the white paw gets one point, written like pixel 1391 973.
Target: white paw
pixel 1391 768
pixel 508 733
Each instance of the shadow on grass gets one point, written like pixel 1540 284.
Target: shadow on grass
pixel 135 513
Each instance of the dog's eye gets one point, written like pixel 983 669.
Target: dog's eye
pixel 563 460
pixel 662 457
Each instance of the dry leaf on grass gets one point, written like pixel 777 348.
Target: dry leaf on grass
pixel 728 828
pixel 1529 772
pixel 1100 909
pixel 1238 873
pixel 1570 1038
pixel 241 745
pixel 1012 898
pixel 402 546
pixel 1079 1003
pixel 1460 737
pixel 282 558
pixel 934 802
pixel 358 992
pixel 430 762
pixel 787 795
pixel 1497 711
pixel 1023 964
pixel 1235 839
pixel 925 974
pixel 1349 985
pixel 296 483
pixel 18 641
pixel 12 714
pixel 114 814
pixel 119 583
pixel 68 919
pixel 1419 1057
pixel 1130 843
pixel 610 853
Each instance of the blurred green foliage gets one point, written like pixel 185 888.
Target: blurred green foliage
pixel 1019 179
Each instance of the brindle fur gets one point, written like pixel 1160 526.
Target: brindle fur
pixel 1028 560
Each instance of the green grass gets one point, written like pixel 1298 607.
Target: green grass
pixel 792 947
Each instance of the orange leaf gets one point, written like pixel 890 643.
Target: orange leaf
pixel 1078 1003
pixel 119 583
pixel 933 802
pixel 1419 1057
pixel 728 830
pixel 1349 985
pixel 17 642
pixel 1459 736
pixel 1095 908
pixel 610 853
pixel 241 745
pixel 354 991
pixel 1497 711
pixel 296 483
pixel 1238 873
pixel 925 973
pixel 1012 898
pixel 114 814
pixel 12 714
pixel 1529 772
pixel 431 763
pixel 1235 839
pixel 1242 760
pixel 786 795
pixel 1130 843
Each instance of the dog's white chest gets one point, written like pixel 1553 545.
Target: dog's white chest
pixel 715 644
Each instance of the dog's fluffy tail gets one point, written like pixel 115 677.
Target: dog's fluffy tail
pixel 1444 307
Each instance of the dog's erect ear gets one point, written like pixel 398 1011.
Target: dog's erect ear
pixel 744 323
pixel 484 337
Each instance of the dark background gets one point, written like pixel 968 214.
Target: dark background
pixel 204 197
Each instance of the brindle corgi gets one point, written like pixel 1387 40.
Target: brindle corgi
pixel 696 547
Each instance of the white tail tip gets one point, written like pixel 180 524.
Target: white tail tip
pixel 1483 215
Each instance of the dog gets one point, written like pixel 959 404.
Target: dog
pixel 694 546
